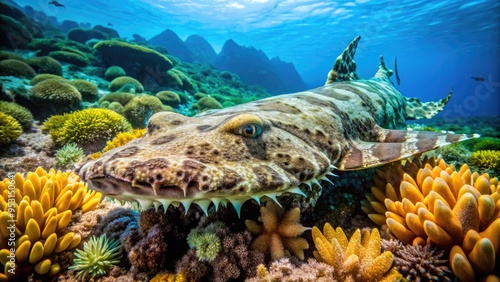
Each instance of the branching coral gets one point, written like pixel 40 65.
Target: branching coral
pixel 41 205
pixel 486 159
pixel 357 259
pixel 279 232
pixel 97 257
pixel 437 204
pixel 120 139
pixel 418 263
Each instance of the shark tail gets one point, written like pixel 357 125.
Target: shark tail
pixel 420 110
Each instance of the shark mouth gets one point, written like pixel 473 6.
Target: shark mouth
pixel 142 196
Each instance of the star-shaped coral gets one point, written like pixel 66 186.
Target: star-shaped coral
pixel 279 232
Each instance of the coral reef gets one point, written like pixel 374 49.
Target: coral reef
pixel 418 263
pixel 68 155
pixel 119 82
pixel 88 89
pixel 284 271
pixel 136 60
pixel 45 64
pixel 279 232
pixel 16 68
pixel 114 72
pixel 457 210
pixel 55 97
pixel 20 113
pixel 70 57
pixel 482 144
pixel 45 202
pixel 141 108
pixel 121 97
pixel 89 128
pixel 96 258
pixel 356 259
pixel 169 98
pixel 44 76
pixel 170 277
pixel 10 129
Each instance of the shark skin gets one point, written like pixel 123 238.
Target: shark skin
pixel 268 147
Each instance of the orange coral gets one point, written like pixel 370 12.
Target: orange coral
pixel 357 259
pixel 457 210
pixel 279 232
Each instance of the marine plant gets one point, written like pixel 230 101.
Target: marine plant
pixel 114 72
pixel 45 64
pixel 88 89
pixel 20 113
pixel 278 234
pixel 356 259
pixel 141 108
pixel 68 155
pixel 485 159
pixel 89 126
pixel 10 129
pixel 117 83
pixel 44 204
pixel 16 68
pixel 458 211
pixel 97 257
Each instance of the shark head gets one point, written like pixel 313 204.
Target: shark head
pixel 213 158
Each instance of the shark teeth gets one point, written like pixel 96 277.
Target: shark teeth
pixel 142 204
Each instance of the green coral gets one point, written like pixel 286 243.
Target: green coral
pixel 141 108
pixel 89 126
pixel 119 82
pixel 56 93
pixel 68 155
pixel 45 64
pixel 205 241
pixel 486 159
pixel 70 57
pixel 169 98
pixel 88 89
pixel 10 129
pixel 20 113
pixel 97 257
pixel 206 103
pixel 16 68
pixel 116 107
pixel 114 72
pixel 121 97
pixel 44 76
pixel 4 55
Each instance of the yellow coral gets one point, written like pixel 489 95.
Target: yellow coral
pixel 170 277
pixel 457 210
pixel 486 159
pixel 279 232
pixel 120 140
pixel 357 259
pixel 35 213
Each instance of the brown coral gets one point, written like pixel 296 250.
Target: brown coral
pixel 437 204
pixel 357 259
pixel 284 271
pixel 279 232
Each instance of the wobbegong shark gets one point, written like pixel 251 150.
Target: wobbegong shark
pixel 282 144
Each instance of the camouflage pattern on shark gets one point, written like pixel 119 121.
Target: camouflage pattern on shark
pixel 268 147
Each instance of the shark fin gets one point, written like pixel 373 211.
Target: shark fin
pixel 395 145
pixel 344 68
pixel 418 110
pixel 383 72
pixel 396 70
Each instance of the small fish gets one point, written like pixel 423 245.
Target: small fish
pixel 110 24
pixel 57 4
pixel 478 78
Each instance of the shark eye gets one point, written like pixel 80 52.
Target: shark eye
pixel 250 130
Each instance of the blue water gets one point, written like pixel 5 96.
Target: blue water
pixel 439 44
